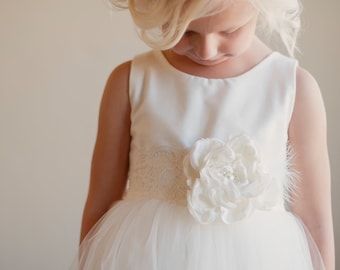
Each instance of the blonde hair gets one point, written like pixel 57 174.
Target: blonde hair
pixel 280 19
pixel 161 23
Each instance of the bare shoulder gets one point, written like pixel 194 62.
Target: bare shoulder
pixel 307 88
pixel 114 114
pixel 121 73
pixel 309 111
pixel 118 81
pixel 115 100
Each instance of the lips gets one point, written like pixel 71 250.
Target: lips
pixel 209 62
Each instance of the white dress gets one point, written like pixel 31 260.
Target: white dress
pixel 209 177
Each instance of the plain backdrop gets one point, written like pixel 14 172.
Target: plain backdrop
pixel 55 57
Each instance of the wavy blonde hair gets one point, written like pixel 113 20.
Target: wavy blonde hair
pixel 161 23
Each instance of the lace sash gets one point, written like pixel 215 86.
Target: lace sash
pixel 157 173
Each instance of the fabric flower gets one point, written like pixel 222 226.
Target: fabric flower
pixel 226 180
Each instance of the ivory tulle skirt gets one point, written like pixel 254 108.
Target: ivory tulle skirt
pixel 159 235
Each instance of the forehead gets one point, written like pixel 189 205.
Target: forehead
pixel 231 16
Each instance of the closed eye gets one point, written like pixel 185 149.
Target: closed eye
pixel 232 32
pixel 190 33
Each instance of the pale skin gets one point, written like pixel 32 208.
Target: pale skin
pixel 220 46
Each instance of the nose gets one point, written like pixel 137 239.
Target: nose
pixel 206 48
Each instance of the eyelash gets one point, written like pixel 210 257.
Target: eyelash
pixel 191 33
pixel 232 32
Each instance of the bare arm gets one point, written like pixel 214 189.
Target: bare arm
pixel 308 137
pixel 111 153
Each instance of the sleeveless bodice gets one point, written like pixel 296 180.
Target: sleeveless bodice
pixel 171 110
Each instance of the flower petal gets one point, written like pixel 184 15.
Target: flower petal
pixel 243 210
pixel 226 180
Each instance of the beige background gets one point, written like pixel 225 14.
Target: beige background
pixel 55 57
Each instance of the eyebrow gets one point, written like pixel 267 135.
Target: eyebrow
pixel 231 29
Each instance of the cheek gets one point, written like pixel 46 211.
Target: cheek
pixel 238 44
pixel 230 47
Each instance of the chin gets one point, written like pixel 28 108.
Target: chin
pixel 211 62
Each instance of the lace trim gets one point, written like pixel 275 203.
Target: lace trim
pixel 157 173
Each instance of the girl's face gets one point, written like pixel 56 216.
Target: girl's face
pixel 214 39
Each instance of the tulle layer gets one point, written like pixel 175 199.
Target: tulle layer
pixel 158 235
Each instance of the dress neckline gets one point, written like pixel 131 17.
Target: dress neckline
pixel 259 65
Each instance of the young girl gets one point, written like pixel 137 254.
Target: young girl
pixel 211 150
